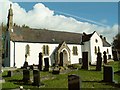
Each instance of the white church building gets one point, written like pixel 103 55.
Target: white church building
pixel 25 44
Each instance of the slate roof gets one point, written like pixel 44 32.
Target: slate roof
pixel 20 34
pixel 105 43
pixel 44 36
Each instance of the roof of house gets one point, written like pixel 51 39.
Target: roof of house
pixel 44 36
pixel 21 34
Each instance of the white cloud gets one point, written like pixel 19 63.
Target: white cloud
pixel 42 17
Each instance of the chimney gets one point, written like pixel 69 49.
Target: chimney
pixel 105 38
pixel 101 36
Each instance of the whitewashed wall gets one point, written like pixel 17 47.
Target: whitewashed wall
pixel 93 44
pixel 35 49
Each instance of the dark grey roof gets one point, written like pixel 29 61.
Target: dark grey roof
pixel 105 43
pixel 44 36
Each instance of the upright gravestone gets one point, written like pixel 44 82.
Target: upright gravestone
pixel 36 77
pixel 105 57
pixel 85 62
pixel 40 62
pixel 46 61
pixel 74 82
pixel 26 75
pixel 115 57
pixel 108 74
pixel 25 65
pixel 10 73
pixel 99 62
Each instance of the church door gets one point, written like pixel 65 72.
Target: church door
pixel 61 59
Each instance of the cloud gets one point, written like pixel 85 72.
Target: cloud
pixel 42 17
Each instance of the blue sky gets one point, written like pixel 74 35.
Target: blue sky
pixel 102 12
pixel 78 17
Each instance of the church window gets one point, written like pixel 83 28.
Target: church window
pixel 96 40
pixel 45 49
pixel 107 51
pixel 95 50
pixel 98 49
pixel 27 49
pixel 75 50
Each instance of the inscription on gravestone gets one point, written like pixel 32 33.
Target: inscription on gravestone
pixel 85 63
pixel 74 82
pixel 108 74
pixel 99 62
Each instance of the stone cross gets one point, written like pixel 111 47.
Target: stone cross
pixel 105 57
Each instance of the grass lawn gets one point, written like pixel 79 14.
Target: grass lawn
pixel 90 79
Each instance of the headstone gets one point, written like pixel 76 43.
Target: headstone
pixel 36 77
pixel 105 57
pixel 40 62
pixel 25 65
pixel 99 62
pixel 109 56
pixel 10 73
pixel 46 61
pixel 85 63
pixel 26 75
pixel 80 60
pixel 115 57
pixel 108 74
pixel 56 70
pixel 74 82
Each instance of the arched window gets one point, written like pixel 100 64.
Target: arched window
pixel 75 50
pixel 27 49
pixel 95 50
pixel 45 49
pixel 98 49
pixel 107 51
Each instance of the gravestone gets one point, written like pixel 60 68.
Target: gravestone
pixel 80 60
pixel 25 65
pixel 105 57
pixel 108 74
pixel 74 82
pixel 99 62
pixel 109 56
pixel 36 77
pixel 10 73
pixel 56 70
pixel 115 57
pixel 46 61
pixel 40 62
pixel 85 63
pixel 26 75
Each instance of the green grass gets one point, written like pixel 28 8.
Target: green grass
pixel 90 78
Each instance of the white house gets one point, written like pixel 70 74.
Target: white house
pixel 25 44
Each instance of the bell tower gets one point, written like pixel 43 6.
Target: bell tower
pixel 10 18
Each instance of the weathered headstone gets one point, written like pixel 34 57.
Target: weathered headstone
pixel 26 75
pixel 36 77
pixel 105 57
pixel 74 82
pixel 56 70
pixel 10 73
pixel 40 62
pixel 99 62
pixel 108 74
pixel 85 63
pixel 46 61
pixel 25 65
pixel 115 57
pixel 109 56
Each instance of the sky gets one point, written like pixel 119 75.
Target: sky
pixel 76 17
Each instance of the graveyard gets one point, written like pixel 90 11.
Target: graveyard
pixel 91 78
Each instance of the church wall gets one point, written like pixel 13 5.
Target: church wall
pixel 95 41
pixel 35 49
